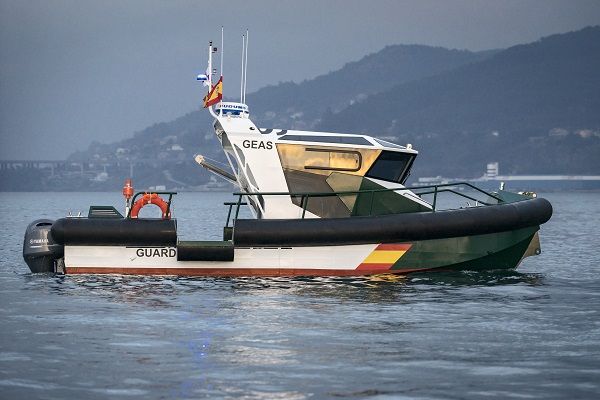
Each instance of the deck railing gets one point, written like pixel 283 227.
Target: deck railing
pixel 416 193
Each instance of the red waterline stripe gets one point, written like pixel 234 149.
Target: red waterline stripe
pixel 228 272
pixel 374 266
pixel 394 246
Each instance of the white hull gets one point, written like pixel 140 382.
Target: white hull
pixel 341 260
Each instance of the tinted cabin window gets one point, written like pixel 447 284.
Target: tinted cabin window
pixel 328 139
pixel 391 166
pixel 333 160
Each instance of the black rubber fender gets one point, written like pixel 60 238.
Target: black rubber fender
pixel 115 232
pixel 205 251
pixel 392 228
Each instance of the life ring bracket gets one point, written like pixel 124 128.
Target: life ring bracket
pixel 141 199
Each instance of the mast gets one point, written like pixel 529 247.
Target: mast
pixel 246 66
pixel 222 52
pixel 210 73
pixel 242 77
pixel 210 63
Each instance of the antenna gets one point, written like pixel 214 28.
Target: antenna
pixel 242 78
pixel 222 52
pixel 246 66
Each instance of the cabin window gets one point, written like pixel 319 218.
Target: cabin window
pixel 392 166
pixel 356 140
pixel 235 113
pixel 333 160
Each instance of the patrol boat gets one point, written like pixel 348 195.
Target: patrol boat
pixel 323 204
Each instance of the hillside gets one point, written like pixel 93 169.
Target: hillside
pixel 535 108
pixel 163 153
pixel 301 106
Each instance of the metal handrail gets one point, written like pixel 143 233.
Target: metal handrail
pixel 459 194
pixel 348 192
pixel 436 188
pixel 304 196
pixel 231 204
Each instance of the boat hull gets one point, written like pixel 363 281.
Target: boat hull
pixel 503 250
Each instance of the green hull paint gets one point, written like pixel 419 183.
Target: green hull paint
pixel 505 259
pixel 383 203
pixel 491 251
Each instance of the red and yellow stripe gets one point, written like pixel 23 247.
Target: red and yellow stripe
pixel 384 256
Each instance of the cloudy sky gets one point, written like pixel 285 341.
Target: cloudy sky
pixel 75 71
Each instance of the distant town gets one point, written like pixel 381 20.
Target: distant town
pixel 68 175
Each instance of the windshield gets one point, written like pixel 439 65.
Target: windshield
pixel 392 166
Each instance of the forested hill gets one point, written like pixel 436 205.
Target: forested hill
pixel 301 106
pixel 534 107
pixel 292 105
pixel 171 145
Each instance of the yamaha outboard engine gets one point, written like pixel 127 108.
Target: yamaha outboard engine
pixel 40 251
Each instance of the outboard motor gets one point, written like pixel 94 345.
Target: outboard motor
pixel 40 251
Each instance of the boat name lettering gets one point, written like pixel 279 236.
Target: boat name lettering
pixel 163 252
pixel 257 144
pixel 32 241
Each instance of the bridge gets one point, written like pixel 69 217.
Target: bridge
pixel 35 164
pixel 60 167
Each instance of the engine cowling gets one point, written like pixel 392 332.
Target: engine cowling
pixel 40 251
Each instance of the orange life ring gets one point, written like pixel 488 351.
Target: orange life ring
pixel 150 198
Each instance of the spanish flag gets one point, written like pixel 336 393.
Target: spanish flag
pixel 215 95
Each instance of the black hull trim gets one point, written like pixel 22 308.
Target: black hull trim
pixel 392 228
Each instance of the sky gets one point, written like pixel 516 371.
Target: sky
pixel 77 71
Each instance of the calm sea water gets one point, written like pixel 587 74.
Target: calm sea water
pixel 533 333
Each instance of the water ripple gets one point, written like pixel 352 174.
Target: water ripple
pixel 531 333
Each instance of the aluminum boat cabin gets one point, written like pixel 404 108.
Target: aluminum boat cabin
pixel 285 161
